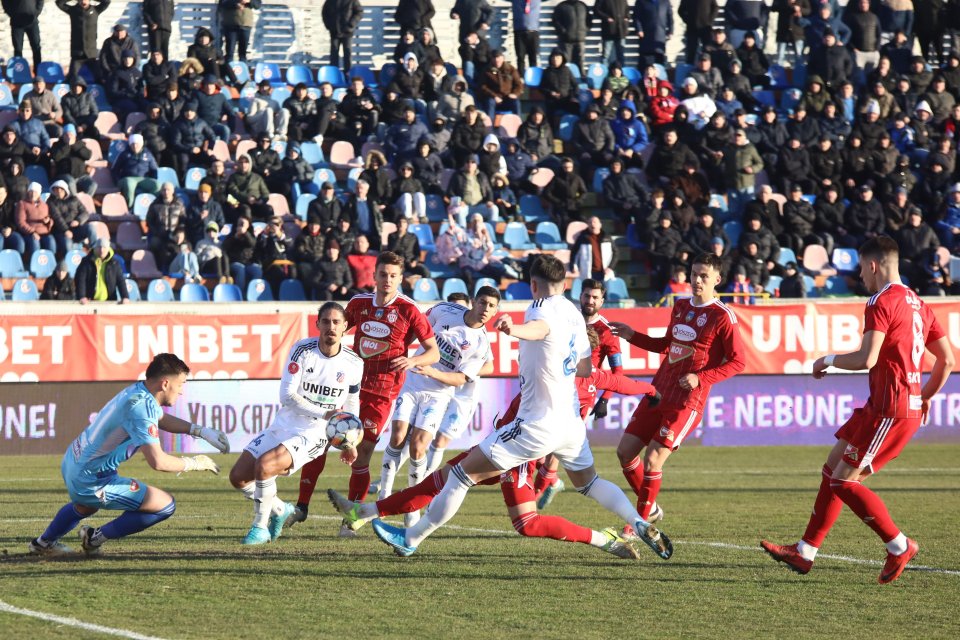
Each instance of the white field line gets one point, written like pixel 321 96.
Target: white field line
pixel 73 622
pixel 716 545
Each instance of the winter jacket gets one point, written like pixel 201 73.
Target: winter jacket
pixel 243 186
pixel 349 210
pixel 668 162
pixel 163 218
pixel 744 15
pixel 698 14
pixel 240 248
pixel 125 84
pixel 432 87
pixel 187 134
pixel 501 81
pixel 32 133
pixel 458 184
pixel 155 135
pixel 265 161
pixel 56 289
pixel 91 268
pixel 414 15
pixel 33 217
pixel 630 133
pixel 593 135
pixel 572 20
pixel 111 53
pixel 653 18
pixel 768 249
pixel 207 55
pixel 69 158
pixel 196 223
pixel 329 213
pixel 565 191
pixel 452 104
pixel 234 14
pixel 66 211
pixel 401 139
pixel 210 108
pixel 45 105
pixel 23 13
pixel 341 17
pixel 79 109
pixel 614 18
pixel 472 14
pixel 526 15
pixel 863 217
pixel 134 165
pixel 536 138
pixel 158 12
pixel 406 246
pixel 789 28
pixel 798 217
pixel 834 64
pixel 624 191
pixel 559 79
pixel 298 170
pixel 156 77
pixel 736 159
pixel 83 27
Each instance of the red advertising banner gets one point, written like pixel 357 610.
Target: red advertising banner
pixel 777 339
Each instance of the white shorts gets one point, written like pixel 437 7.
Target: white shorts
pixel 459 413
pixel 421 409
pixel 304 445
pixel 522 441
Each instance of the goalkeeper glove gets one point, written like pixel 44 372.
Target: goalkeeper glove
pixel 600 409
pixel 217 439
pixel 200 463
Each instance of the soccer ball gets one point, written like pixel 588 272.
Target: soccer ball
pixel 344 430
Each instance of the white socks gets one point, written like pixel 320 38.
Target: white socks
pixel 597 539
pixel 248 490
pixel 898 546
pixel 418 471
pixel 807 551
pixel 391 464
pixel 611 498
pixel 265 502
pixel 434 459
pixel 443 507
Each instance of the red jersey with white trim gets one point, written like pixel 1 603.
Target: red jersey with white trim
pixel 384 333
pixel 609 347
pixel 908 326
pixel 704 340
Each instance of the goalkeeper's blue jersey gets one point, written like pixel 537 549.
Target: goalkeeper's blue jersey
pixel 125 424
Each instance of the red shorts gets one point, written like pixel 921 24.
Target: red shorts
pixel 668 425
pixel 873 441
pixel 375 411
pixel 517 484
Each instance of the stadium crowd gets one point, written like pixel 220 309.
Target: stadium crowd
pixel 465 167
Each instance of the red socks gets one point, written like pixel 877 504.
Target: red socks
pixel 647 495
pixel 545 478
pixel 308 478
pixel 534 525
pixel 826 509
pixel 359 484
pixel 868 506
pixel 412 498
pixel 633 472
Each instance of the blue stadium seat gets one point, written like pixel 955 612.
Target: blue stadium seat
pixel 387 72
pixel 324 175
pixel 661 73
pixel 845 260
pixel 565 132
pixel 193 177
pixel 258 290
pixel 616 290
pixel 25 88
pixel 518 291
pixel 532 209
pixel 159 291
pixel 193 292
pixel 312 153
pixel 599 176
pixel 36 173
pixel 331 74
pixel 773 284
pixel 18 70
pixel 718 204
pixel 303 203
pixel 99 95
pixel 133 290
pixel 11 264
pixel 297 73
pixel 365 72
pixel 436 210
pixel 51 71
pixel 269 71
pixel 484 282
pixel 635 75
pixel 547 237
pixel 517 238
pixel 291 290
pixel 241 70
pixel 532 77
pixel 141 204
pixel 116 148
pixel 42 263
pixel 733 229
pixel 596 74
pixel 789 100
pixel 575 70
pixel 426 290
pixel 811 286
pixel 778 77
pixel 680 74
pixel 168 174
pixel 633 237
pixel 425 235
pixel 354 175
pixel 24 290
pixel 6 97
pixel 226 292
pixel 837 286
pixel 576 288
pixel 765 98
pixel 74 257
pixel 786 255
pixel 453 285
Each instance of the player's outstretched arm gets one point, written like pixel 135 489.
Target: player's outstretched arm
pixel 640 340
pixel 217 439
pixel 449 378
pixel 733 357
pixel 585 368
pixel 533 330
pixel 942 366
pixel 863 358
pixel 159 460
pixel 624 385
pixel 430 355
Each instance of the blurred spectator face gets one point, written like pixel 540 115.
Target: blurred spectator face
pixel 765 193
pixel 218 168
pixel 402 225
pixel 864 5
pixel 754 224
pixel 568 167
pixel 243 165
pixel 326 90
pixel 137 146
pixel 596 227
pixel 157 57
pixel 167 191
pixel 362 244
pixel 356 86
pixel 752 248
pixel 670 137
pixel 867 195
pixel 537 117
pixel 26 111
pixel 243 225
pixel 362 189
pixel 707 219
pixel 556 60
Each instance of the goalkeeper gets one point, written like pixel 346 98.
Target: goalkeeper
pixel 130 421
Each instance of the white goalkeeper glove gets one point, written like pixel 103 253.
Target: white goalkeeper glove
pixel 200 463
pixel 217 439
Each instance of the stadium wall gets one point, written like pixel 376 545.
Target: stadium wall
pixel 59 363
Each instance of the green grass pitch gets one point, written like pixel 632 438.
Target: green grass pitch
pixel 190 578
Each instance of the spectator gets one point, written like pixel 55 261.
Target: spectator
pixel 326 208
pixel 308 249
pixel 344 235
pixel 593 254
pixel 362 262
pixel 113 48
pixel 767 246
pixel 266 161
pixel 490 160
pixel 185 265
pixel 948 227
pixel 678 286
pixel 593 140
pixel 247 187
pixel 158 16
pixel 653 20
pixel 376 175
pixel 741 164
pixel 669 157
pixel 301 112
pixel 708 78
pixel 766 208
pixel 864 35
pixel 564 195
pixel 624 193
pixel 83 33
pixel 663 244
pixel 165 215
pixel 16 182
pixel 501 86
pixel 897 209
pixel 792 285
pixel 172 103
pixel 407 246
pixel 191 140
pixel 700 237
pixel 69 158
pixel 408 44
pixel 536 135
pixel 663 107
pixel 918 241
pixel 476 55
pixel 125 86
pixel 935 280
pixel 239 248
pixel 9 238
pixel 69 217
pixel 828 219
pixel 427 166
pixel 216 179
pixel 265 114
pixel 454 102
pixel 364 214
pixel 411 199
pixel 361 113
pixel 754 60
pixel 203 210
pixel 400 141
pixel 793 166
pixel 34 223
pixel 273 252
pixel 831 61
pixel 864 217
pixel 798 220
pixel 210 256
pixel 790 28
pixel 46 106
pixel 559 88
pixel 60 285
pixel 698 105
pixel 80 109
pixel 414 15
pixel 32 133
pixel 333 279
pixel 477 259
pixel 99 275
pixel 157 74
pixel 25 19
pixel 135 170
pixel 341 18
pixel 294 170
pixel 699 16
pixel 236 20
pixel 740 286
pixel 470 188
pixel 571 20
pixel 505 199
pixel 630 135
pixel 475 16
pixel 614 19
pixel 526 32
pixel 214 108
pixel 436 81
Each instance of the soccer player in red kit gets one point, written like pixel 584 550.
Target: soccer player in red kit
pixel 703 347
pixel 387 322
pixel 898 329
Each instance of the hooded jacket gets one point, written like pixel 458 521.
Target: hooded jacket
pixel 453 103
pixel 79 108
pixel 593 135
pixel 536 139
pixel 630 133
pixel 91 268
pixel 558 79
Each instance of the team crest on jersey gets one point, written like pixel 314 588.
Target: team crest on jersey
pixel 679 352
pixel 370 347
pixel 464 345
pixel 851 452
pixel 702 320
pixel 666 433
pixel 379 314
pixel 153 431
pixel 392 316
pixel 690 315
pixel 369 424
pixel 293 367
pixel 134 486
pixel 339 376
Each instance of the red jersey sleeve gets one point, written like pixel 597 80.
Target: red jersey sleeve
pixel 648 343
pixel 935 330
pixel 733 363
pixel 619 383
pixel 876 316
pixel 351 313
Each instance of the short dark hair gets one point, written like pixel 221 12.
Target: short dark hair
pixel 489 292
pixel 880 248
pixel 331 306
pixel 166 364
pixel 458 296
pixel 389 257
pixel 590 283
pixel 549 268
pixel 711 260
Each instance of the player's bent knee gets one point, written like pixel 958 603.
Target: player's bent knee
pixel 168 510
pixel 527 525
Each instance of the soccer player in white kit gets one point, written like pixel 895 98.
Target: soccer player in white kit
pixel 322 376
pixel 428 391
pixel 554 349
